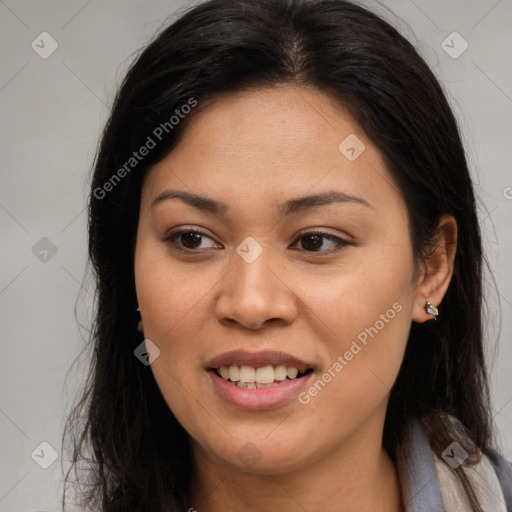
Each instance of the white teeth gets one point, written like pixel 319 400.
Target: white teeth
pixel 224 372
pixel 265 376
pixel 291 372
pixel 255 385
pixel 280 372
pixel 269 385
pixel 247 374
pixel 234 373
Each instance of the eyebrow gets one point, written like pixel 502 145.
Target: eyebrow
pixel 290 206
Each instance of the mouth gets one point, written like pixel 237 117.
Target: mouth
pixel 258 380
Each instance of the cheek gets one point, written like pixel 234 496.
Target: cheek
pixel 362 314
pixel 173 297
pixel 170 301
pixel 168 291
pixel 351 296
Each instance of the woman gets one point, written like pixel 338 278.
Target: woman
pixel 283 230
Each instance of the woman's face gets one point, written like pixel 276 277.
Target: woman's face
pixel 275 282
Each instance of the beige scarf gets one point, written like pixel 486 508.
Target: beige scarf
pixel 483 480
pixel 429 484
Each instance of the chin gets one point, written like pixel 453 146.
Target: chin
pixel 262 455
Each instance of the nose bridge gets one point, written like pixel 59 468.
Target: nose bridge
pixel 252 293
pixel 255 275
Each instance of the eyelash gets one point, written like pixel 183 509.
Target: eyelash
pixel 170 240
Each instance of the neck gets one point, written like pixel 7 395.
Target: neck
pixel 356 477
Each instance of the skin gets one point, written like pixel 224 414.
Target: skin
pixel 253 150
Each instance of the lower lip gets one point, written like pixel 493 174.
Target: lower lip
pixel 257 399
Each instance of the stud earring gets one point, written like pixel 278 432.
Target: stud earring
pixel 431 310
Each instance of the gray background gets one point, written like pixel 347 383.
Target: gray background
pixel 52 111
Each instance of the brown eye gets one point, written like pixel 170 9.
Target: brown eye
pixel 186 240
pixel 312 242
pixel 190 239
pixel 315 241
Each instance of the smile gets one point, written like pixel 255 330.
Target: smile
pixel 258 380
pixel 264 377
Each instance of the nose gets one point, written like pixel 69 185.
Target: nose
pixel 253 294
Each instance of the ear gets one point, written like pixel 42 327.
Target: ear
pixel 437 269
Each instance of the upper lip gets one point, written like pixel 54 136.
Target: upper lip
pixel 257 359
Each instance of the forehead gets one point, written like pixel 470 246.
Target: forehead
pixel 271 144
